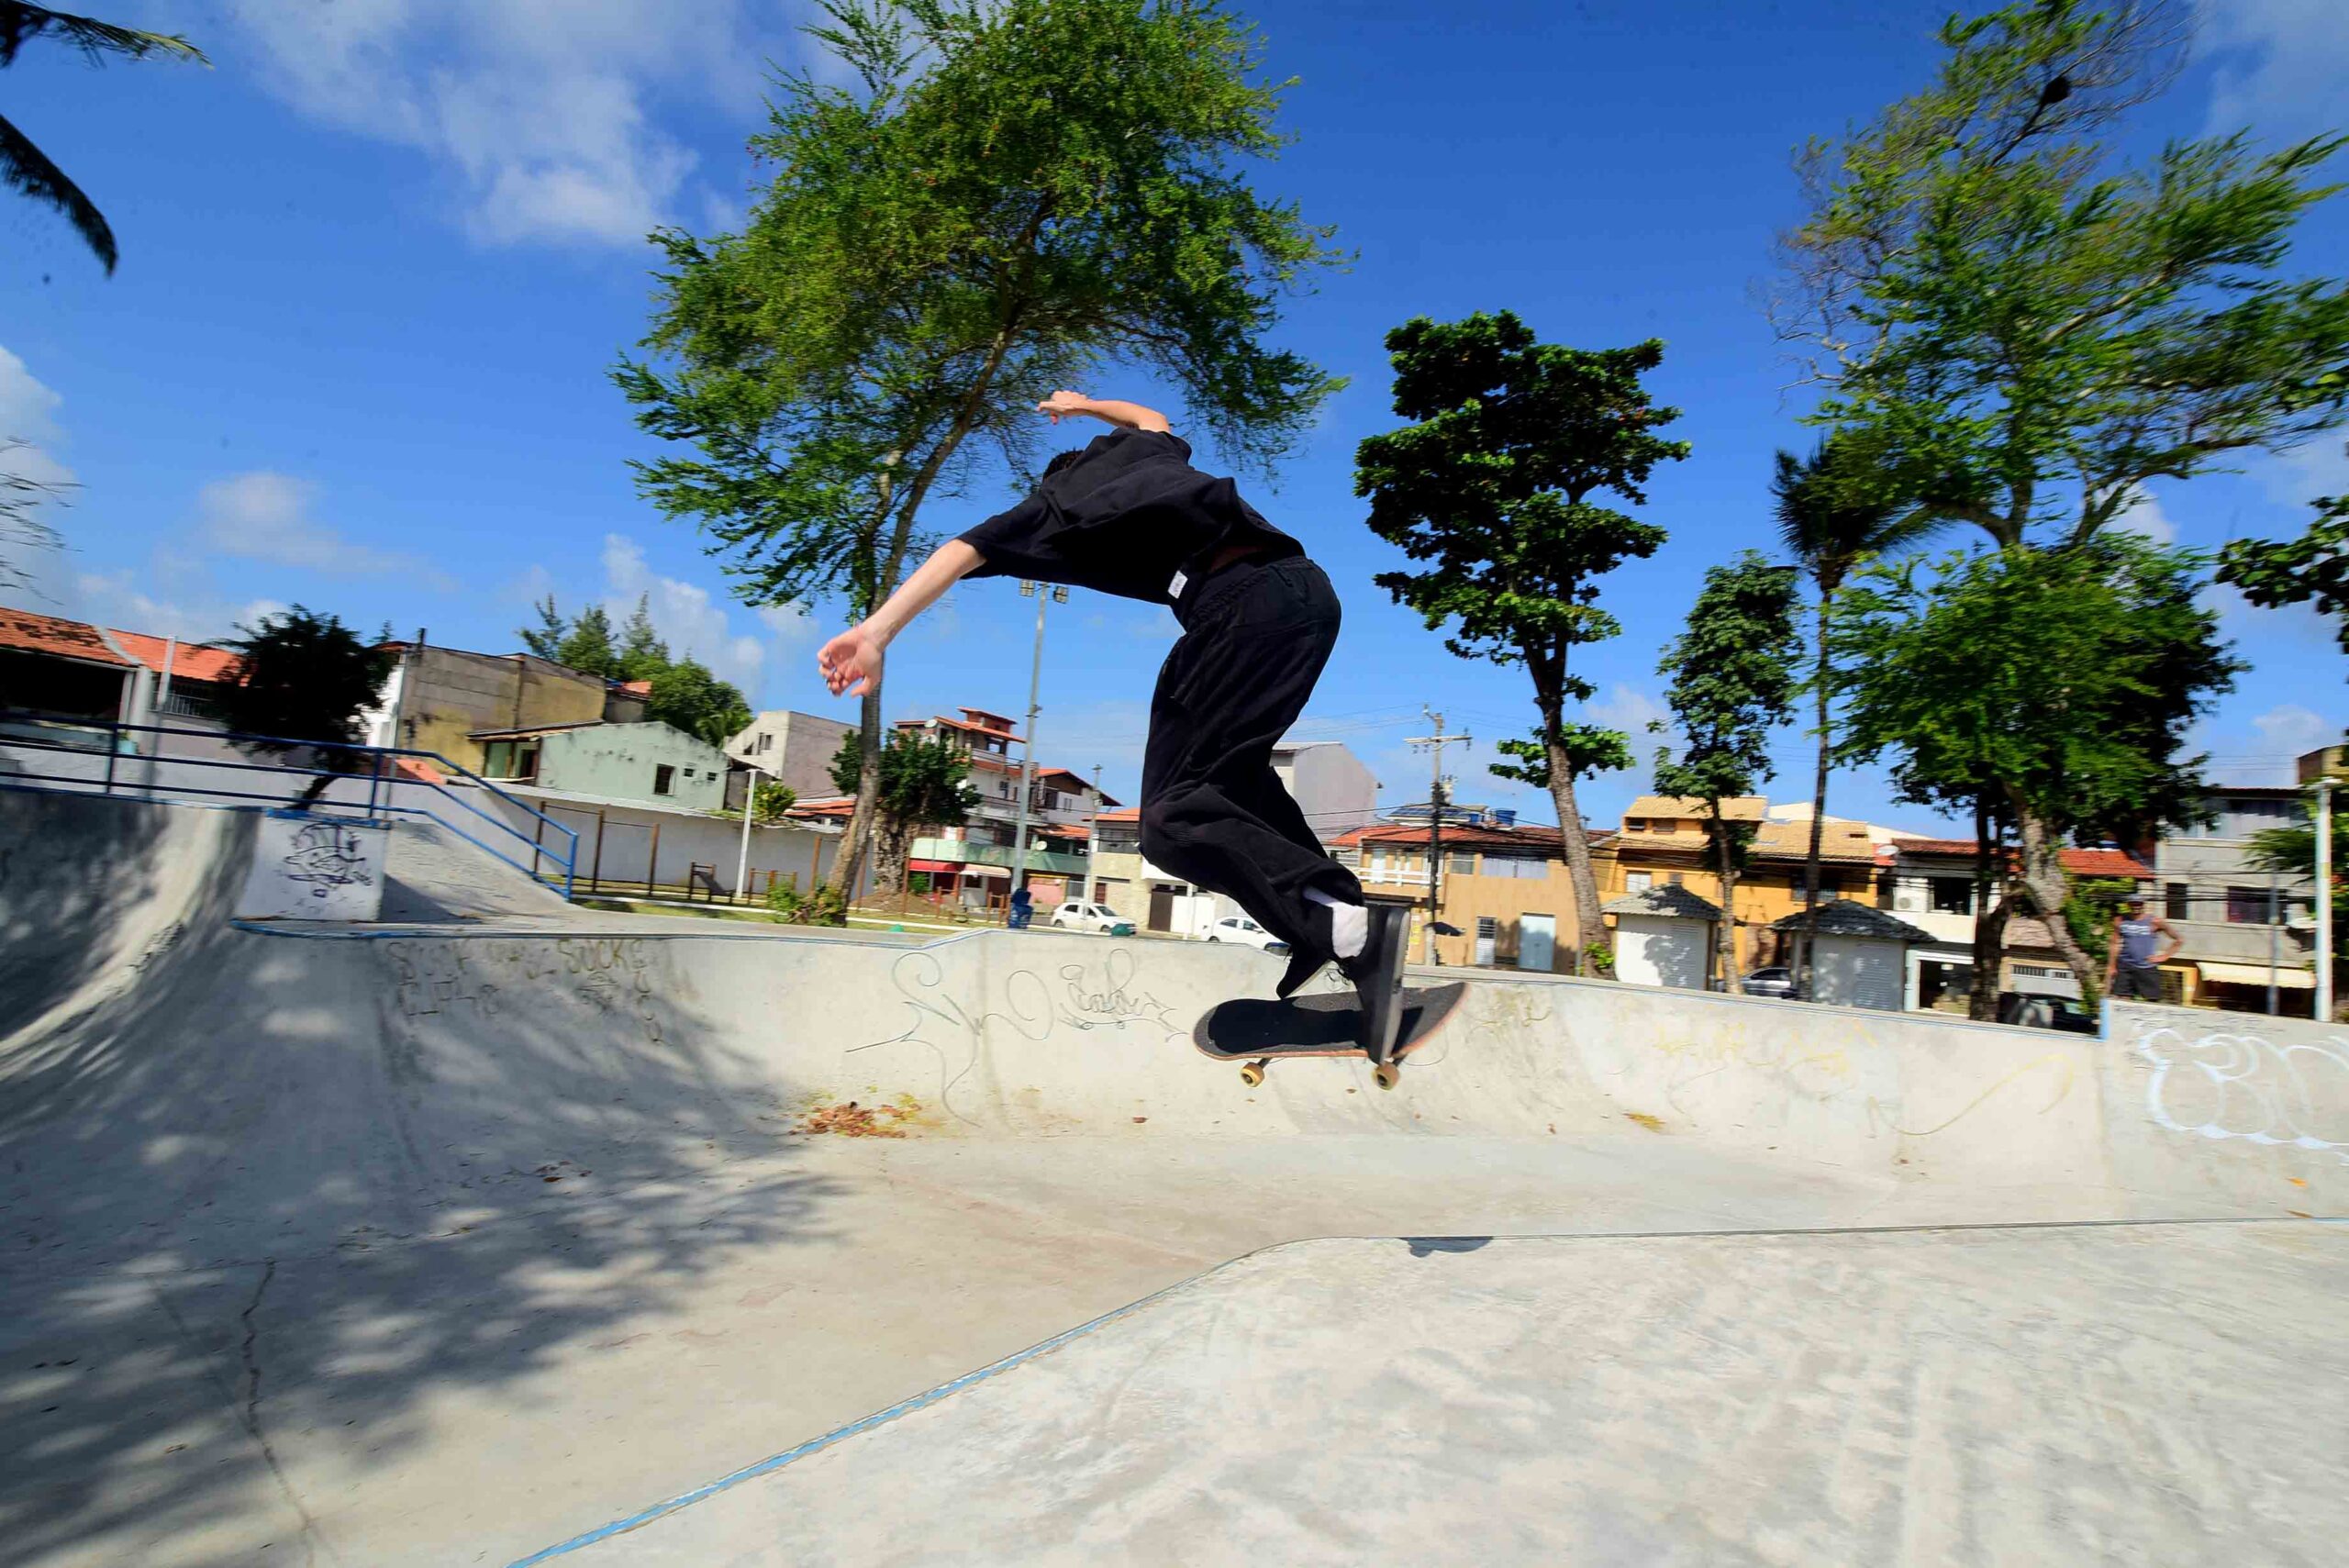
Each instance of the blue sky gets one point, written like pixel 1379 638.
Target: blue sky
pixel 377 261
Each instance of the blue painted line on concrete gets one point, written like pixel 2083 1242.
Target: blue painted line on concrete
pixel 882 1418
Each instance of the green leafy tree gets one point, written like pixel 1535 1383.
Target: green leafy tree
pixel 2010 330
pixel 642 655
pixel 922 785
pixel 25 166
pixel 2020 336
pixel 2045 692
pixel 1830 529
pixel 772 801
pixel 688 696
pixel 303 678
pixel 1733 681
pixel 2314 567
pixel 1012 196
pixel 583 644
pixel 1490 490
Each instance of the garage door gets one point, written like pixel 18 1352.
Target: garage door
pixel 1655 949
pixel 1852 971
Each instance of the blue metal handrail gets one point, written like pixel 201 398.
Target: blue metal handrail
pixel 378 802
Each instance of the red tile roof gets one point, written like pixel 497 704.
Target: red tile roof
pixel 1527 835
pixel 2080 863
pixel 189 661
pixel 31 633
pixel 1131 814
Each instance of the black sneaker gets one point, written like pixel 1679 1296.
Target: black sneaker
pixel 1378 976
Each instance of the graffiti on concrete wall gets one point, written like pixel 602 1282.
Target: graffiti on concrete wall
pixel 1086 996
pixel 2234 1082
pixel 610 976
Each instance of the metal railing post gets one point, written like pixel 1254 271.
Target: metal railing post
pixel 113 750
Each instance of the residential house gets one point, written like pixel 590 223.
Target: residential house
pixel 1664 935
pixel 1928 882
pixel 1859 955
pixel 75 671
pixel 1504 887
pixel 66 669
pixel 1664 843
pixel 2243 929
pixel 795 749
pixel 972 861
pixel 648 803
pixel 441 699
pixel 1325 778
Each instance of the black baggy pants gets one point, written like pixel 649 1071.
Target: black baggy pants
pixel 1256 637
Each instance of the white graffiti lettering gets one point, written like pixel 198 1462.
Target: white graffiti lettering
pixel 2231 1084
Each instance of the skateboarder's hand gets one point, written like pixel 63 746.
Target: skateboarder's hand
pixel 850 662
pixel 1064 405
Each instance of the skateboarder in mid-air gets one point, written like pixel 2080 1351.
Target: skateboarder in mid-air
pixel 1128 515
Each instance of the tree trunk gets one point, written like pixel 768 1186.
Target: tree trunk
pixel 2049 890
pixel 889 846
pixel 1586 927
pixel 1725 866
pixel 848 873
pixel 1989 922
pixel 1818 815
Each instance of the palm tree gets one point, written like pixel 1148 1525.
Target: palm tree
pixel 1828 531
pixel 27 168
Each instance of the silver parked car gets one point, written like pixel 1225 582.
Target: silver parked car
pixel 1777 980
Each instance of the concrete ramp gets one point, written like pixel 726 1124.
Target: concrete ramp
pixel 2080 1394
pixel 462 1238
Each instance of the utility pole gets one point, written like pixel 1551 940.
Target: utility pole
pixel 1044 594
pixel 2324 900
pixel 1434 745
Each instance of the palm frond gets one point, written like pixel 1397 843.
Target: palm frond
pixel 1825 529
pixel 20 24
pixel 27 169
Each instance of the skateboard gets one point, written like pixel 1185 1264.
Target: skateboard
pixel 1255 1030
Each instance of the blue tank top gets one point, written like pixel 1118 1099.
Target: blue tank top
pixel 2137 941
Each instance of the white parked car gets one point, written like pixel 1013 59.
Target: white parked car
pixel 1241 929
pixel 1079 916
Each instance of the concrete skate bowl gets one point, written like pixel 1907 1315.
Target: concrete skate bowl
pixel 464 1244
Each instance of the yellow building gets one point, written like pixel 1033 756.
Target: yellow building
pixel 1664 843
pixel 1504 889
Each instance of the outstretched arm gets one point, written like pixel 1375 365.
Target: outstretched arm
pixel 1125 416
pixel 852 662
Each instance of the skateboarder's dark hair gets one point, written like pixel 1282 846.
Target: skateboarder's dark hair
pixel 1062 459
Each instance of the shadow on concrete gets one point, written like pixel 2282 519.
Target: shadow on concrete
pixel 67 870
pixel 249 1197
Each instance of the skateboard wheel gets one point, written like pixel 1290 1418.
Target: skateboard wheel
pixel 1386 1075
pixel 1253 1073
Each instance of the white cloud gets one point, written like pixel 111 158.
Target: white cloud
pixel 1630 710
pixel 2289 730
pixel 543 113
pixel 2280 66
pixel 263 516
pixel 2146 518
pixel 28 416
pixel 789 623
pixel 688 615
pixel 196 612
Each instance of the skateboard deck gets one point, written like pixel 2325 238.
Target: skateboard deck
pixel 1255 1030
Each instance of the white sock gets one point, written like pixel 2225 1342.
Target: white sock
pixel 1349 925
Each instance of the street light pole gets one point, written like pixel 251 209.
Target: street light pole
pixel 2324 900
pixel 1434 745
pixel 750 804
pixel 1044 596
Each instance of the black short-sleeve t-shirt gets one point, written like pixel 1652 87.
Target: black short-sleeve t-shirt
pixel 1127 518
